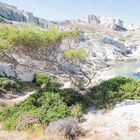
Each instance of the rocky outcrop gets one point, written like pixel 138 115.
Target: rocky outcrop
pixel 113 23
pixel 90 19
pixel 12 13
pixel 119 45
pixel 19 73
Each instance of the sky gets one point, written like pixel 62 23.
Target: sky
pixel 126 10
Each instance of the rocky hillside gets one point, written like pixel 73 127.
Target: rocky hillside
pixel 103 39
pixel 53 81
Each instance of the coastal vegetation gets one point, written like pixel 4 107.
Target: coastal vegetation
pixel 115 90
pixel 30 36
pixel 44 106
pixel 52 102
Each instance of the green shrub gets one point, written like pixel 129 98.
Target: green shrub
pixel 115 90
pixel 31 36
pixel 72 53
pixel 72 97
pixel 122 39
pixel 4 44
pixel 48 106
pixel 47 83
pixel 77 111
pixel 41 78
pixel 2 20
pixel 7 84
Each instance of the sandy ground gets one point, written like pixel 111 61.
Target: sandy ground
pixel 21 98
pixel 122 123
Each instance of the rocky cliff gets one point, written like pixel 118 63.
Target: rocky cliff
pixel 12 13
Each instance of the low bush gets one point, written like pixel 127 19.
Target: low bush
pixel 115 90
pixel 2 20
pixel 47 83
pixel 74 54
pixel 48 106
pixel 7 84
pixel 72 97
pixel 30 36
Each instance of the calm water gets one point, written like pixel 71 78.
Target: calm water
pixel 126 68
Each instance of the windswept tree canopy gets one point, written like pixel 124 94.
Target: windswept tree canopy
pixel 45 47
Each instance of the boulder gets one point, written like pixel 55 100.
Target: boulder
pixel 68 127
pixel 24 75
pixel 19 73
pixel 6 70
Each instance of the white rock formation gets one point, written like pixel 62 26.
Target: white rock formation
pixel 110 22
pixel 113 23
pixel 12 13
pixel 122 123
pixel 19 73
pixel 90 19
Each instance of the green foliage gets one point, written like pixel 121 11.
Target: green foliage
pixel 4 44
pixel 30 36
pixel 2 20
pixel 77 111
pixel 49 105
pixel 123 39
pixel 72 97
pixel 72 53
pixel 7 84
pixel 72 33
pixel 110 92
pixel 41 78
pixel 47 83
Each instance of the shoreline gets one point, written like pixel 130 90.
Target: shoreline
pixel 106 72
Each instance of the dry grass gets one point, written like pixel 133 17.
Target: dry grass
pixel 89 27
pixel 132 128
pixel 38 133
pixel 3 104
pixel 45 137
pixel 30 135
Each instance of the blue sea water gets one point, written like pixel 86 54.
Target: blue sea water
pixel 126 68
pixel 135 76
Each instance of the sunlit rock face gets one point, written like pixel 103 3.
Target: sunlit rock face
pixel 19 73
pixel 12 13
pixel 90 19
pixel 113 23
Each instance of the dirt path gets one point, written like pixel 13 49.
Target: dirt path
pixel 15 99
pixel 21 98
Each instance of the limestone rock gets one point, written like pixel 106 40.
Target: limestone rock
pixel 19 73
pixel 12 13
